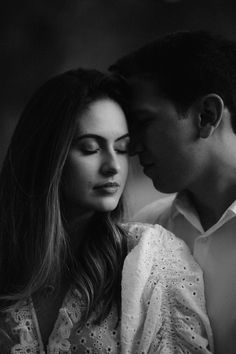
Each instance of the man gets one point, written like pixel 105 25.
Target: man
pixel 183 125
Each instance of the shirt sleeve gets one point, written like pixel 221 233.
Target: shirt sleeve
pixel 163 304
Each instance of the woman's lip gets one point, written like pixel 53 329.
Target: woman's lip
pixel 107 188
pixel 107 185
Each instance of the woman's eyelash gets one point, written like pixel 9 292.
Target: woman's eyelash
pixel 89 151
pixel 92 149
pixel 122 151
pixel 89 147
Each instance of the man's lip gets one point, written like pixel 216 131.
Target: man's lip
pixel 146 167
pixel 107 185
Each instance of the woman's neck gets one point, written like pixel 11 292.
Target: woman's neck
pixel 76 227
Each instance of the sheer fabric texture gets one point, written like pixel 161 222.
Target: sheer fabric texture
pixel 163 307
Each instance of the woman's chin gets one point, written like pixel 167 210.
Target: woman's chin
pixel 106 206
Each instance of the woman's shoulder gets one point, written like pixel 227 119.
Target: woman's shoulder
pixel 153 234
pixel 158 246
pixel 161 283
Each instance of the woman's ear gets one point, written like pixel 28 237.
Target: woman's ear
pixel 210 115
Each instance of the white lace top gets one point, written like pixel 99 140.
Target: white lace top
pixel 163 307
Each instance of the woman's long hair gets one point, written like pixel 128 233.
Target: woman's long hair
pixel 34 250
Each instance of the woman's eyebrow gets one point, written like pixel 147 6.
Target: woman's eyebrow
pixel 84 136
pixel 123 137
pixel 99 137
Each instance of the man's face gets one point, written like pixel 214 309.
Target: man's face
pixel 165 142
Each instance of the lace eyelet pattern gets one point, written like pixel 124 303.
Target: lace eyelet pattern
pixel 163 307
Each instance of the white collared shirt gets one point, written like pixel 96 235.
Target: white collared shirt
pixel 214 250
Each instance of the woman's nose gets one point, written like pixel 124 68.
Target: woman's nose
pixel 111 165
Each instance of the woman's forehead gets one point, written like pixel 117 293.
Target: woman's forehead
pixel 102 116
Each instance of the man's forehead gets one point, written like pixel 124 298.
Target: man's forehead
pixel 142 87
pixel 144 93
pixel 143 83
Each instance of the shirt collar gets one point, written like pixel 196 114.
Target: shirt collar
pixel 183 205
pixel 232 207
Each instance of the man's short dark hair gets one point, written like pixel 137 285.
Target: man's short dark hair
pixel 186 65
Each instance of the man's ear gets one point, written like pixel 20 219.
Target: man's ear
pixel 210 115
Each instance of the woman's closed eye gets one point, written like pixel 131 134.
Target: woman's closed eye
pixel 88 146
pixel 122 147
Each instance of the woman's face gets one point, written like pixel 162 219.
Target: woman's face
pixel 96 168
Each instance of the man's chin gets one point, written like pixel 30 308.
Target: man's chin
pixel 163 187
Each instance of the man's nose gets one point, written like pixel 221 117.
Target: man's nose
pixel 111 165
pixel 135 145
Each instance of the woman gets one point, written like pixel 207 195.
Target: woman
pixel 72 279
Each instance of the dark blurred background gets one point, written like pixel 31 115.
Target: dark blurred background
pixel 40 38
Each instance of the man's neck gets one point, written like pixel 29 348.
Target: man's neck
pixel 212 201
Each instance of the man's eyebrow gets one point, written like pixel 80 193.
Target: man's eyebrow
pixel 141 114
pixel 99 137
pixel 141 111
